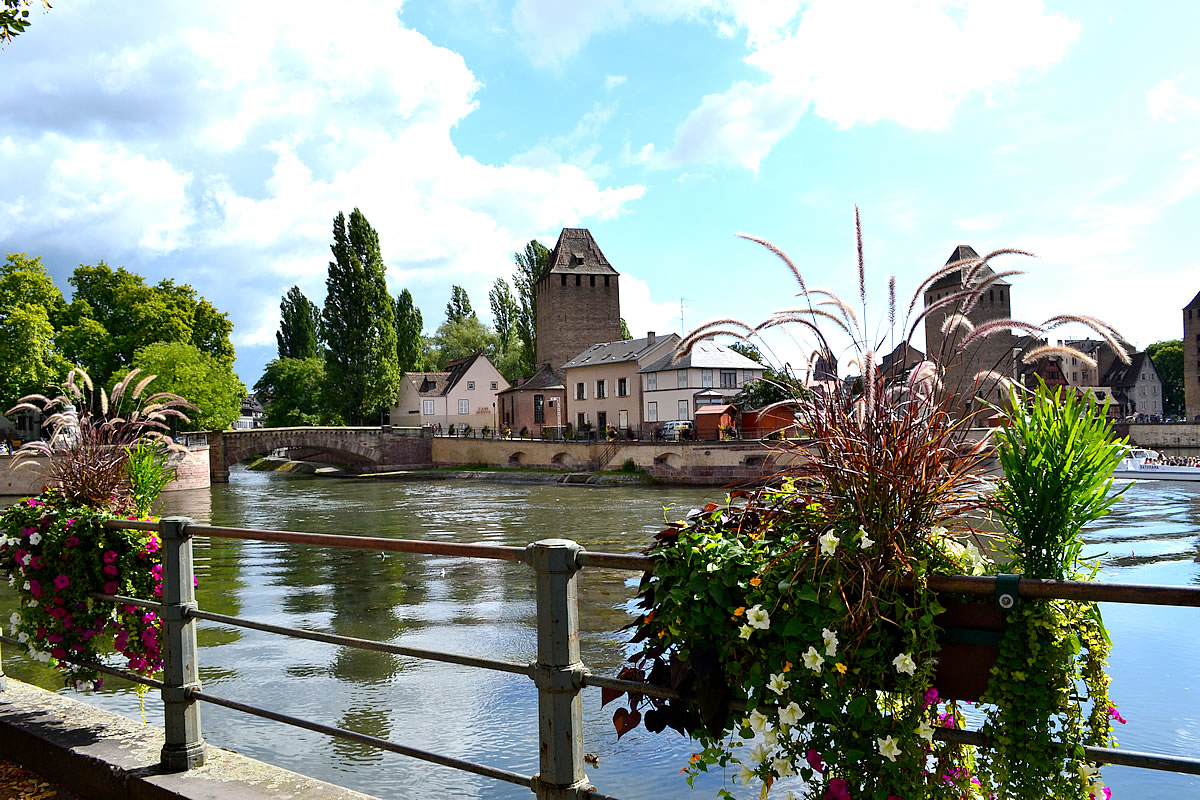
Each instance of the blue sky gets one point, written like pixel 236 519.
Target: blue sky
pixel 217 147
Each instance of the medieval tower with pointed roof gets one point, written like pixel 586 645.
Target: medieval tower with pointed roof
pixel 578 302
pixel 1191 359
pixel 992 353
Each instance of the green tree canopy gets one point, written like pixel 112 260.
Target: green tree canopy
pixel 455 340
pixel 198 377
pixel 29 363
pixel 299 334
pixel 748 350
pixel 504 314
pixel 409 329
pixel 459 307
pixel 25 281
pixel 1168 360
pixel 625 334
pixel 291 388
pixel 358 324
pixel 14 17
pixel 531 264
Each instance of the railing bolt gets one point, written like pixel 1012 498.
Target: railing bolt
pixel 184 747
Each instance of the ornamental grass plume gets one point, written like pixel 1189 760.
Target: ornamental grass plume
pixel 91 433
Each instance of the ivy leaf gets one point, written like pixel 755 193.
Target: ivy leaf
pixel 608 695
pixel 625 720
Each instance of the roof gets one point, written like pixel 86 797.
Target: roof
pixel 577 252
pixel 542 380
pixel 620 352
pixel 953 280
pixel 1195 302
pixel 705 354
pixel 1126 375
pixel 438 384
pixel 716 410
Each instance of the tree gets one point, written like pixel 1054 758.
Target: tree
pixel 748 350
pixel 14 19
pixel 299 334
pixel 29 363
pixel 361 373
pixel 197 377
pixel 1168 360
pixel 459 339
pixel 504 314
pixel 532 264
pixel 25 281
pixel 291 388
pixel 409 329
pixel 459 307
pixel 625 334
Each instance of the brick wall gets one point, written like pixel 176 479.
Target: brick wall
pixel 572 318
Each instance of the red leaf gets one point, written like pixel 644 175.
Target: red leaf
pixel 711 507
pixel 625 720
pixel 608 695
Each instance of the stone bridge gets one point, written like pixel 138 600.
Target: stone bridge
pixel 358 448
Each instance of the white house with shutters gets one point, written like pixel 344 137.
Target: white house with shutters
pixel 673 387
pixel 465 394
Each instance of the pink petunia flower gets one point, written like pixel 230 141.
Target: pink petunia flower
pixel 837 790
pixel 110 569
pixel 71 541
pixel 111 587
pixel 61 582
pixel 1112 712
pixel 35 589
pixel 814 760
pixel 930 698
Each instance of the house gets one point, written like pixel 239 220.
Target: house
pixel 1137 388
pixel 897 364
pixel 710 374
pixel 1191 359
pixel 603 384
pixel 578 300
pixel 464 394
pixel 1079 372
pixel 535 404
pixel 251 416
pixel 1050 370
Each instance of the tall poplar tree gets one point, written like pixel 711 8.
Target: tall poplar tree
pixel 504 313
pixel 531 265
pixel 358 324
pixel 459 307
pixel 409 328
pixel 299 326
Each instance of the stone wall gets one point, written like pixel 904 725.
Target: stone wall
pixel 191 470
pixel 1163 436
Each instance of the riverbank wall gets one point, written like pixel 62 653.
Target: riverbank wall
pixel 191 472
pixel 97 753
pixel 1163 437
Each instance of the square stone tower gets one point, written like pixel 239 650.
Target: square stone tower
pixel 992 353
pixel 1191 358
pixel 578 300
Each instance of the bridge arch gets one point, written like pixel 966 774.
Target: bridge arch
pixel 359 448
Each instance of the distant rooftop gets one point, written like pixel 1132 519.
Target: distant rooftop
pixel 706 354
pixel 577 252
pixel 619 352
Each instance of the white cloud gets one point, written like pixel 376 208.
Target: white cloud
pixel 643 314
pixel 980 223
pixel 739 125
pixel 1167 103
pixel 613 81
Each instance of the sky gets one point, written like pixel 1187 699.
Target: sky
pixel 214 144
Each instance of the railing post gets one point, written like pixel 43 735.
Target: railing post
pixel 558 671
pixel 184 746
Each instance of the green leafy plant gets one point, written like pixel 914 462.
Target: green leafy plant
pixel 148 472
pixel 806 603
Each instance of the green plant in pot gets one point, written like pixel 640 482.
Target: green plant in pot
pixel 796 621
pixel 106 457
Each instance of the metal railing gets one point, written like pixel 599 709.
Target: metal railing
pixel 558 673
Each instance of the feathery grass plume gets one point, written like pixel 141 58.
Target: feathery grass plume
pixel 685 347
pixel 869 377
pixel 833 300
pixel 991 376
pixel 936 275
pixel 956 322
pixel 815 312
pixel 90 436
pixel 891 301
pixel 862 267
pixel 1060 351
pixel 999 326
pixel 709 329
pixel 958 298
pixel 975 269
pixel 782 255
pixel 1106 331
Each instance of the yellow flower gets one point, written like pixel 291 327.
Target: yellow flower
pixel 737 612
pixel 787 667
pixel 840 667
pixel 755 582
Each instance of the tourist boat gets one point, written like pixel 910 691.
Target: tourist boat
pixel 1141 464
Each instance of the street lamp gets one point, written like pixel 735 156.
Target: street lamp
pixel 553 401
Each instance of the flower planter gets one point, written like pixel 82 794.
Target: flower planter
pixel 970 641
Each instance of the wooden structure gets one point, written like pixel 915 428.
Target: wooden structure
pixel 711 419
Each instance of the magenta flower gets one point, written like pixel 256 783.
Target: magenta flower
pixel 110 556
pixel 54 638
pixel 35 589
pixel 111 587
pixel 61 582
pixel 930 698
pixel 71 541
pixel 1112 712
pixel 58 652
pixel 814 760
pixel 57 613
pixel 837 790
pixel 152 544
pixel 33 501
pixel 111 569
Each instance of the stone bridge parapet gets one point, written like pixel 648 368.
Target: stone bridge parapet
pixel 360 449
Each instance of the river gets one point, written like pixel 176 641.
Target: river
pixel 487 608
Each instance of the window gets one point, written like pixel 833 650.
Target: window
pixel 606 285
pixel 592 280
pixel 622 387
pixel 729 379
pixel 651 381
pixel 580 420
pixel 683 410
pixel 577 281
pixel 706 378
pixel 564 279
pixel 464 406
pixel 581 391
pixel 682 384
pixel 623 419
pixel 470 384
pixel 494 384
pixel 651 412
pixel 539 409
pixel 427 408
pixel 601 420
pixel 601 389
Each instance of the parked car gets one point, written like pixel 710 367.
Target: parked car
pixel 677 429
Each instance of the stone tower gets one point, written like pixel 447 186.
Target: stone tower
pixel 578 302
pixel 993 353
pixel 1191 359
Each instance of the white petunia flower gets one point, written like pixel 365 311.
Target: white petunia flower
pixel 904 663
pixel 757 721
pixel 745 631
pixel 829 543
pixel 25 586
pixel 33 603
pixel 831 641
pixel 25 559
pixel 791 714
pixel 35 538
pixel 888 748
pixel 778 683
pixel 757 617
pixel 925 731
pixel 770 737
pixel 759 754
pixel 746 775
pixel 864 541
pixel 22 637
pixel 938 530
pixel 813 660
pixel 15 618
pixel 783 767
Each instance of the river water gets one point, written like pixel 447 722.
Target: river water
pixel 487 608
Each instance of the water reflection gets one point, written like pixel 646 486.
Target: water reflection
pixel 487 608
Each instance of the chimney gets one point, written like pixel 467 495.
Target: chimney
pixel 650 338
